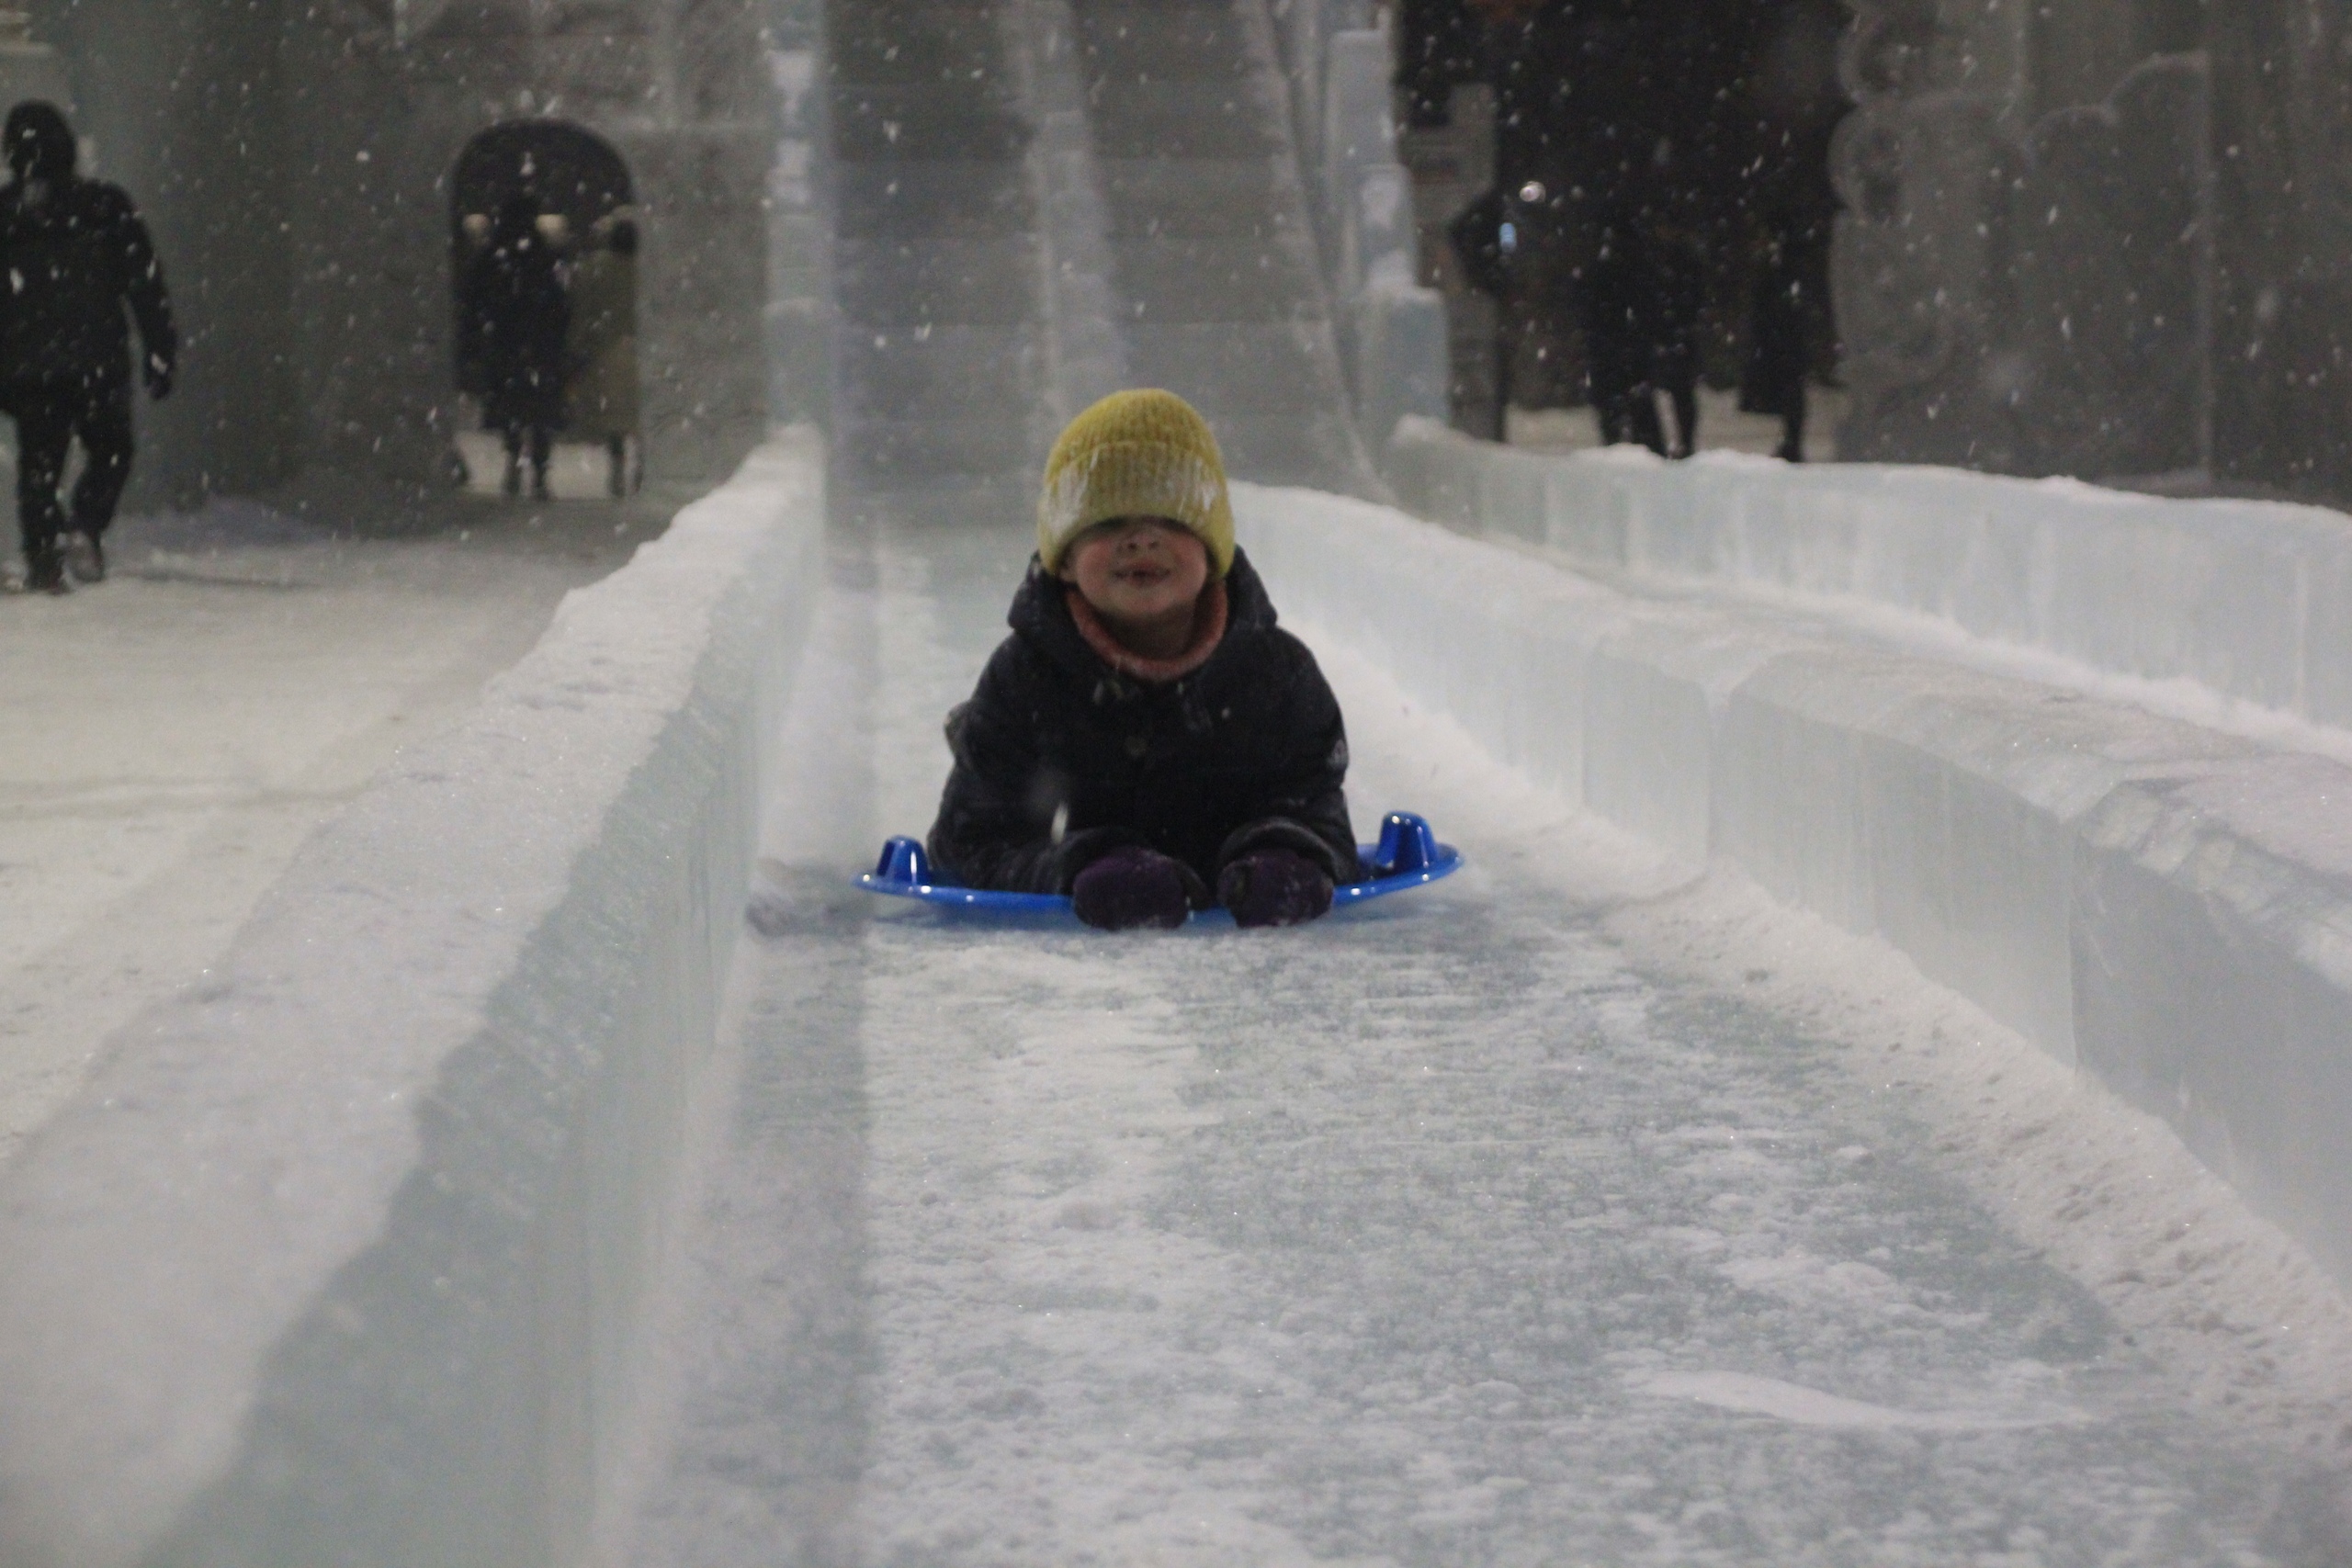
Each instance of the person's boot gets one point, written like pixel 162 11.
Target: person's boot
pixel 85 559
pixel 514 485
pixel 539 482
pixel 45 573
pixel 1792 440
pixel 619 452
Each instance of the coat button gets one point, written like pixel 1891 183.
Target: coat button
pixel 1137 745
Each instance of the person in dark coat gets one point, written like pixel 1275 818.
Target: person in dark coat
pixel 1621 329
pixel 518 322
pixel 1628 113
pixel 1791 274
pixel 1799 102
pixel 1147 740
pixel 1675 295
pixel 75 255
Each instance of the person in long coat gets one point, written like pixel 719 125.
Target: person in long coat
pixel 518 320
pixel 77 258
pixel 601 401
pixel 1791 337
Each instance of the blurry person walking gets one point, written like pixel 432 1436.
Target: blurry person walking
pixel 1791 284
pixel 517 321
pixel 1792 333
pixel 1674 295
pixel 1617 332
pixel 74 254
pixel 1644 291
pixel 601 400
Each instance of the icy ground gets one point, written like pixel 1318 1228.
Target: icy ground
pixel 1491 1226
pixel 168 738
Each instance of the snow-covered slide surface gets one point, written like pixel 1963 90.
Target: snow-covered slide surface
pixel 2159 904
pixel 1478 1228
pixel 2205 608
pixel 350 1255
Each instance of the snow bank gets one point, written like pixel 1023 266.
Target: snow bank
pixel 2253 599
pixel 2164 906
pixel 346 1256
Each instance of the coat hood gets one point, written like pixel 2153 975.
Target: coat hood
pixel 41 144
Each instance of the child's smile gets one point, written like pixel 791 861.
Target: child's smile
pixel 1144 577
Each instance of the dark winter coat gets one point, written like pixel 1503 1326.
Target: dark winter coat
pixel 1059 759
pixel 518 323
pixel 72 254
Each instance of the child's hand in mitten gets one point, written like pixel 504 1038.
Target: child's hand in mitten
pixel 1273 888
pixel 1132 886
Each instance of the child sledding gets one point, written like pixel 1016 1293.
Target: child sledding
pixel 1148 741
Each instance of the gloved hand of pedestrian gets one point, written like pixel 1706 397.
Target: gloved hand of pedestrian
pixel 158 374
pixel 1273 888
pixel 1132 886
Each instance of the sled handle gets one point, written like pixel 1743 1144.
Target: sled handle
pixel 903 861
pixel 1406 845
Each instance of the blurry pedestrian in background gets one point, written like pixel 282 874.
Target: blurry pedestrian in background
pixel 1792 278
pixel 1799 101
pixel 75 255
pixel 1674 296
pixel 518 323
pixel 1619 313
pixel 601 400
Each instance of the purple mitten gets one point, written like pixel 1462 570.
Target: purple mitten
pixel 1131 887
pixel 1273 888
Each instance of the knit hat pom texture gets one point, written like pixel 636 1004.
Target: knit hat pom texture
pixel 1144 453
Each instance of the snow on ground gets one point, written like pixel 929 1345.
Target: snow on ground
pixel 1563 1213
pixel 175 733
pixel 1722 428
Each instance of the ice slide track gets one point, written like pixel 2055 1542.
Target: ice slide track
pixel 1447 1237
pixel 1039 201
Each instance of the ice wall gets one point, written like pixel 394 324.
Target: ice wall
pixel 2165 908
pixel 347 1257
pixel 2252 598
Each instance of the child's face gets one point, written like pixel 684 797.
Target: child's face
pixel 1136 571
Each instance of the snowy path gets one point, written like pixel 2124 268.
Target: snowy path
pixel 1448 1233
pixel 174 735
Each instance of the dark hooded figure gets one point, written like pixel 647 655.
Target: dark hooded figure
pixel 73 255
pixel 518 318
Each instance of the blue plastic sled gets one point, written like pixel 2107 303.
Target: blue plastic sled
pixel 1407 856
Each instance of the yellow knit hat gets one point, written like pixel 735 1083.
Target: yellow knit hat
pixel 1136 453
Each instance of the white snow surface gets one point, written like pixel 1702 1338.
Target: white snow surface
pixel 2236 614
pixel 1596 1206
pixel 375 1213
pixel 176 733
pixel 1589 1207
